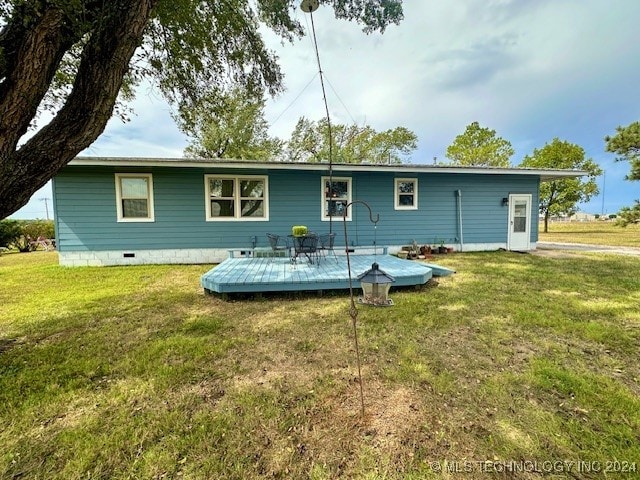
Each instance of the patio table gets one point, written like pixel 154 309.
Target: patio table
pixel 306 245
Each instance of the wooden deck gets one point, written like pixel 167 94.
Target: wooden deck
pixel 247 275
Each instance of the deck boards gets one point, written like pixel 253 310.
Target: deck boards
pixel 272 274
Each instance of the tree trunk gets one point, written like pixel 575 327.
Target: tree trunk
pixel 105 61
pixel 546 221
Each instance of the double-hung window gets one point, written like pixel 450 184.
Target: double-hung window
pixel 134 197
pixel 336 195
pixel 236 198
pixel 406 193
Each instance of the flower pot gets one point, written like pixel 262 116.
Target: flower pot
pixel 442 249
pixel 403 254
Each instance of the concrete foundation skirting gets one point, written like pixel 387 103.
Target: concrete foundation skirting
pixel 213 255
pixel 142 257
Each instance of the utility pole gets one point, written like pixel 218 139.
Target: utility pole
pixel 46 205
pixel 604 178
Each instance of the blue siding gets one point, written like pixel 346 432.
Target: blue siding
pixel 85 203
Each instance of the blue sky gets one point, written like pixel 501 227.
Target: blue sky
pixel 530 69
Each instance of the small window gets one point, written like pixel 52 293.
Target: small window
pixel 236 198
pixel 336 195
pixel 134 196
pixel 406 193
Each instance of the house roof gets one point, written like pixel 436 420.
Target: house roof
pixel 546 174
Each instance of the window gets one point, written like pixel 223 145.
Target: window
pixel 134 196
pixel 335 197
pixel 406 193
pixel 236 198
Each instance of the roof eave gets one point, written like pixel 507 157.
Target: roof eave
pixel 132 162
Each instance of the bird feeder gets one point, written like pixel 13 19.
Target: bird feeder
pixel 309 6
pixel 375 285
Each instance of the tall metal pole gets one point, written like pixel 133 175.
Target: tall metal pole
pixel 604 181
pixel 46 206
pixel 310 6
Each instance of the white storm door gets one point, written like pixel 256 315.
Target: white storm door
pixel 519 222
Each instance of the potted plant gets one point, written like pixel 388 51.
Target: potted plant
pixel 415 250
pixel 299 230
pixel 442 248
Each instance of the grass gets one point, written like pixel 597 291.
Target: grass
pixel 596 233
pixel 132 372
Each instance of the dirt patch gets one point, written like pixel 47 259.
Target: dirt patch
pixel 554 254
pixel 7 344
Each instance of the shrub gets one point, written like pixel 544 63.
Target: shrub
pixel 38 228
pixel 9 232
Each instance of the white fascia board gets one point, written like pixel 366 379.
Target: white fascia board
pixel 133 162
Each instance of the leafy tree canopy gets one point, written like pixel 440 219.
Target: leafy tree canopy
pixel 480 147
pixel 629 215
pixel 559 197
pixel 231 126
pixel 76 56
pixel 626 143
pixel 309 142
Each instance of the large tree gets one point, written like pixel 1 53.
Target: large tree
pixel 561 196
pixel 626 143
pixel 75 56
pixel 231 126
pixel 480 147
pixel 309 142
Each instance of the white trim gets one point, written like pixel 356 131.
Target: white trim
pixel 412 169
pixel 120 213
pixel 236 198
pixel 326 218
pixel 396 194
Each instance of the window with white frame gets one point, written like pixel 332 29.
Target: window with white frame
pixel 336 195
pixel 406 193
pixel 134 197
pixel 236 198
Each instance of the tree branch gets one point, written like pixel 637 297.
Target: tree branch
pixel 30 67
pixel 105 61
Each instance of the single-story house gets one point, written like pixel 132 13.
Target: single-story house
pixel 115 211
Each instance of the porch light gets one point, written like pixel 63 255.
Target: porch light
pixel 375 285
pixel 505 201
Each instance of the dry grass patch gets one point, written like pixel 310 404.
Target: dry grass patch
pixel 593 233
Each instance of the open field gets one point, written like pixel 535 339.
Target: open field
pixel 596 233
pixel 132 372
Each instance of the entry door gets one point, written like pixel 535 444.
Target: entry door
pixel 519 222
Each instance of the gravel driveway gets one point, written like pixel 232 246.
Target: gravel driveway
pixel 578 247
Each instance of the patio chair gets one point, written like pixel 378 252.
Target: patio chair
pixel 326 241
pixel 279 244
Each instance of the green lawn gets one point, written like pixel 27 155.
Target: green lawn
pixel 132 372
pixel 597 233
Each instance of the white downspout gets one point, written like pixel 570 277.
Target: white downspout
pixel 459 193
